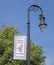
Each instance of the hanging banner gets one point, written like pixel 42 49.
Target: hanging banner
pixel 20 47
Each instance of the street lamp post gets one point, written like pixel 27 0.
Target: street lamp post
pixel 42 25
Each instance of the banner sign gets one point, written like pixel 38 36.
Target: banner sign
pixel 20 47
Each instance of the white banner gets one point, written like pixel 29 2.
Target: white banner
pixel 20 47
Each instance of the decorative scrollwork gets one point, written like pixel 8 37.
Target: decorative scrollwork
pixel 33 8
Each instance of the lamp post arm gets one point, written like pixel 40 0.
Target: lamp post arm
pixel 34 8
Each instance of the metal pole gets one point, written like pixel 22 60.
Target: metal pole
pixel 28 43
pixel 28 40
pixel 42 23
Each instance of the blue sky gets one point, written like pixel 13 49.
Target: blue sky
pixel 15 13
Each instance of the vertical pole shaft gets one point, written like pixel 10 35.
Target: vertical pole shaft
pixel 28 41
